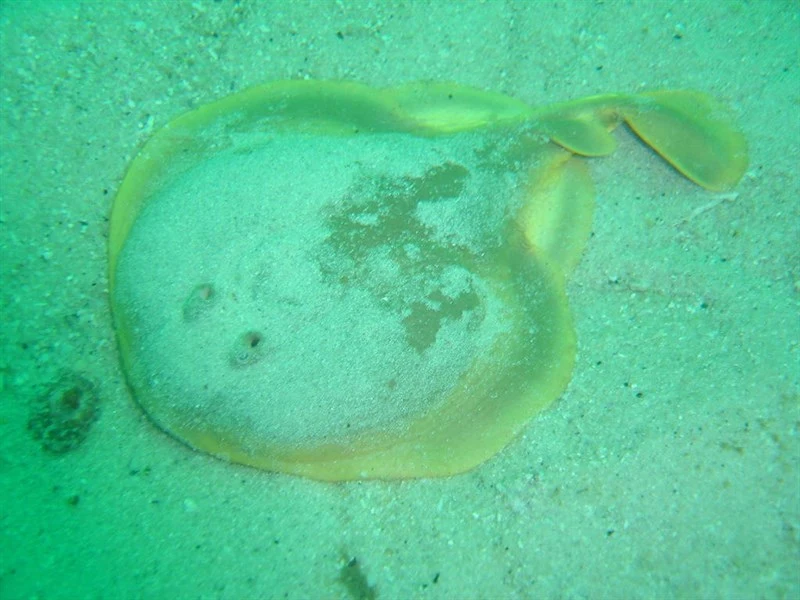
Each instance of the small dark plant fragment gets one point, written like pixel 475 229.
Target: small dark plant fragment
pixel 355 581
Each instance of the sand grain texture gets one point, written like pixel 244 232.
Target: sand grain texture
pixel 668 469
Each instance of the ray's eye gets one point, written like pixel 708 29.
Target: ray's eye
pixel 248 349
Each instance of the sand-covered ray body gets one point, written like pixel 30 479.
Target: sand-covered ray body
pixel 325 279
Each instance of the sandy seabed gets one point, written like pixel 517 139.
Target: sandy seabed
pixel 669 468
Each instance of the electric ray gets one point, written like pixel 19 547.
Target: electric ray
pixel 340 282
